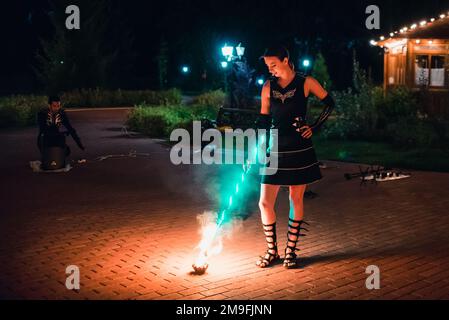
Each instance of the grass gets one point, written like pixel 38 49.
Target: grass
pixel 378 153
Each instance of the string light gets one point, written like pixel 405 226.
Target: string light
pixel 422 23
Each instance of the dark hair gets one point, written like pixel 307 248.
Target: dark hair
pixel 53 99
pixel 280 52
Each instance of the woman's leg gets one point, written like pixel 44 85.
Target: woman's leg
pixel 296 216
pixel 268 194
pixel 297 202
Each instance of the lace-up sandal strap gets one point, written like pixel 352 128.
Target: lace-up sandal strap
pixel 271 254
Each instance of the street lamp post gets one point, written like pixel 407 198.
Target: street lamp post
pixel 224 65
pixel 306 63
pixel 228 53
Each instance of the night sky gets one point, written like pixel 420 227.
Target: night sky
pixel 195 30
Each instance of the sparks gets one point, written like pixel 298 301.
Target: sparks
pixel 210 244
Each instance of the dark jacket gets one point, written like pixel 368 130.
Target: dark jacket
pixel 49 124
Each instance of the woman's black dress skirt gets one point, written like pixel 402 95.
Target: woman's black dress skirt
pixel 297 162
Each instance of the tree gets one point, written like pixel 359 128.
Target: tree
pixel 321 73
pixel 121 71
pixel 75 58
pixel 162 63
pixel 366 110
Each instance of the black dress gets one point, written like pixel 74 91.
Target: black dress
pixel 297 161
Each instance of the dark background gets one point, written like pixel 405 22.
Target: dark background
pixel 194 31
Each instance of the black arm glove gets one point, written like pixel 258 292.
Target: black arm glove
pixel 263 121
pixel 330 106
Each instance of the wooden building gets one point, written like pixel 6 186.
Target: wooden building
pixel 417 56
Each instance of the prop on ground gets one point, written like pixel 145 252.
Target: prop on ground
pixel 36 165
pixel 378 174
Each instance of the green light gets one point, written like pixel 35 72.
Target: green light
pixel 243 177
pixel 342 154
pixel 230 201
pixel 185 69
pixel 221 219
pixel 237 188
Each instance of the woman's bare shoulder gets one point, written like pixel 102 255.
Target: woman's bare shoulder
pixel 312 85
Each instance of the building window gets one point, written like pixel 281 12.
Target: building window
pixel 437 73
pixel 422 70
pixel 430 70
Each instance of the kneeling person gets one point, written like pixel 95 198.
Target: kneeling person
pixel 50 141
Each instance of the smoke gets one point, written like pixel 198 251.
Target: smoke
pixel 208 218
pixel 213 234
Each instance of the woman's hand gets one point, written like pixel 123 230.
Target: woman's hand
pixel 306 132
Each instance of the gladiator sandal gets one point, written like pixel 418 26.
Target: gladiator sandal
pixel 271 255
pixel 294 232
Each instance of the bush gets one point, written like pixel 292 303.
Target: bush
pixel 212 98
pixel 411 133
pixel 441 127
pixel 363 112
pixel 394 118
pixel 119 98
pixel 20 110
pixel 160 121
pixel 355 109
pixel 399 103
pixel 354 116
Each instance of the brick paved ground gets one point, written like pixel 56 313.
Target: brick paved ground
pixel 130 225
